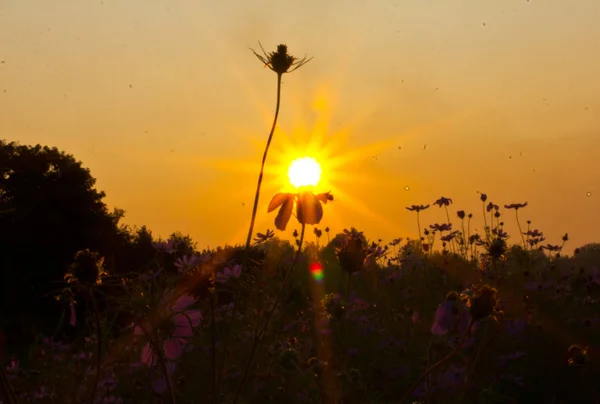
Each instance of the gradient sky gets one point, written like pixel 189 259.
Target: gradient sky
pixel 170 110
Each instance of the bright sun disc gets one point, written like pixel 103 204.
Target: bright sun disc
pixel 304 171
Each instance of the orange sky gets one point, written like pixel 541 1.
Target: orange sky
pixel 167 106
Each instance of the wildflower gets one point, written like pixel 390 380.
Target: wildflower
pixel 186 263
pixel 441 227
pixel 280 61
pixel 86 268
pixel 395 242
pixel 516 206
pixel 565 238
pixel 308 207
pixel 352 254
pixel 168 247
pixel 481 302
pixel 261 238
pixel 491 206
pixel 443 202
pixel 443 319
pixel 483 197
pixel 417 208
pixel 318 232
pixel 229 273
pixel 577 355
pixel 175 324
pixel 448 237
pixel 460 214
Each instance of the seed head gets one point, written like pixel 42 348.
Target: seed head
pixel 280 61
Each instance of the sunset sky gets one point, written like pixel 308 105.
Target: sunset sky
pixel 404 101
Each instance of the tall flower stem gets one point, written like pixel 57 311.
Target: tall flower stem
pixel 261 331
pixel 520 230
pixel 262 166
pixel 419 226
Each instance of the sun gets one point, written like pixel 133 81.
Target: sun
pixel 304 171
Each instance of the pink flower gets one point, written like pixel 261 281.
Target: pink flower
pixel 596 275
pixel 72 317
pixel 181 322
pixel 444 318
pixel 229 273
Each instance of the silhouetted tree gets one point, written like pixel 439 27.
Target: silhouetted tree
pixel 50 210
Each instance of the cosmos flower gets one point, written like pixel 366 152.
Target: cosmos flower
pixel 441 227
pixel 168 247
pixel 261 238
pixel 417 208
pixel 443 202
pixel 229 273
pixel 175 323
pixel 491 206
pixel 516 206
pixel 308 207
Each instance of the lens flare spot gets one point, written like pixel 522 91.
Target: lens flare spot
pixel 316 269
pixel 407 188
pixel 304 171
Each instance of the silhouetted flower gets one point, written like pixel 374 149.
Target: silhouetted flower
pixel 491 206
pixel 228 273
pixel 483 197
pixel 577 355
pixel 280 61
pixel 516 206
pixel 395 241
pixel 318 232
pixel 352 254
pixel 441 227
pixel 443 202
pixel 86 269
pixel 168 247
pixel 461 214
pixel 565 238
pixel 481 302
pixel 308 207
pixel 174 324
pixel 261 238
pixel 417 208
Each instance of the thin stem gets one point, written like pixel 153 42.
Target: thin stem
pixel 258 336
pixel 98 346
pixel 419 226
pixel 214 348
pixel 163 366
pixel 439 363
pixel 520 231
pixel 264 159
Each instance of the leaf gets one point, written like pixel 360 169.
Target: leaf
pixel 284 214
pixel 277 200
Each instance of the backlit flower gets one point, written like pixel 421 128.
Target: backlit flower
pixel 280 61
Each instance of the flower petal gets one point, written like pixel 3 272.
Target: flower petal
pixel 285 212
pixel 183 303
pixel 174 348
pixel 148 355
pixel 278 200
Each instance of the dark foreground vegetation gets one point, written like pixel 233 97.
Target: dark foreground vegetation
pixel 92 310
